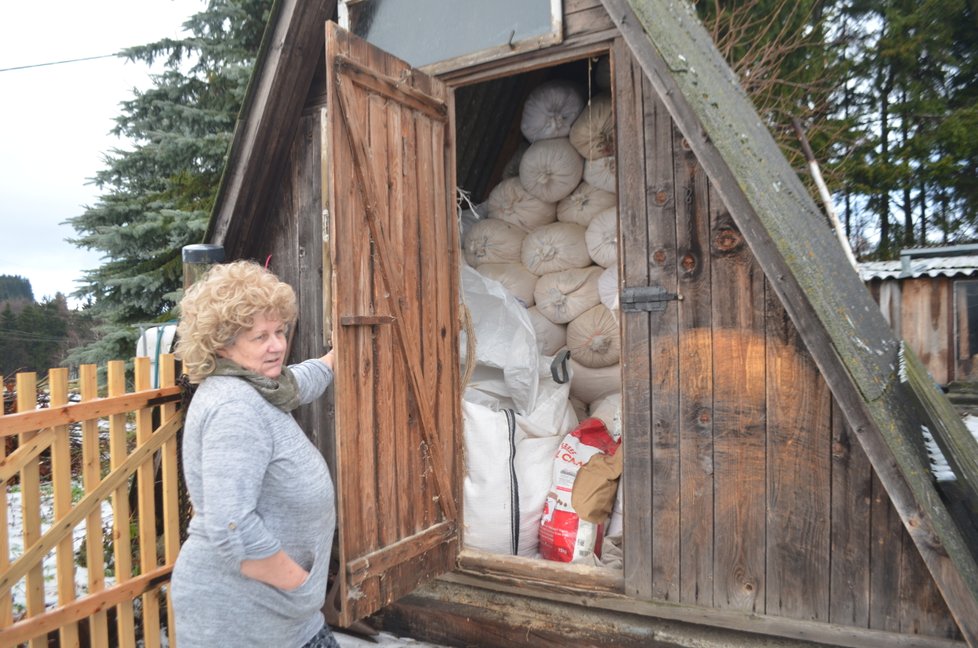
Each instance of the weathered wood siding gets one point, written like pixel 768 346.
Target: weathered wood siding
pixel 920 310
pixel 745 489
pixel 290 240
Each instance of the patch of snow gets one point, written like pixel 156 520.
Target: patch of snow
pixel 938 464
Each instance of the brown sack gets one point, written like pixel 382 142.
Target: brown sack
pixel 596 485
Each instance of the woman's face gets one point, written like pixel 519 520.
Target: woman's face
pixel 260 348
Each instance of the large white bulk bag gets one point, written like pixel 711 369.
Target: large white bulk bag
pixel 509 464
pixel 602 238
pixel 510 202
pixel 562 296
pixel 591 384
pixel 551 337
pixel 593 133
pixel 488 490
pixel 608 288
pixel 555 247
pixel 503 343
pixel 550 109
pixel 584 203
pixel 593 338
pixel 602 173
pixel 491 240
pixel 539 435
pixel 551 169
pixel 519 281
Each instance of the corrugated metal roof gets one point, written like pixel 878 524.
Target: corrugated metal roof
pixel 950 266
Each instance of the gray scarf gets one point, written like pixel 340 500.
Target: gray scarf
pixel 282 393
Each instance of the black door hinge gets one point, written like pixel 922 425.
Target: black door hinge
pixel 646 298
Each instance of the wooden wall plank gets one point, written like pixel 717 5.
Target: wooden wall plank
pixel 586 20
pixel 636 363
pixel 799 424
pixel 739 419
pixel 925 320
pixel 886 562
pixel 695 422
pixel 849 580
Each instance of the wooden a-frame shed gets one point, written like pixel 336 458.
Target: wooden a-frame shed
pixel 776 486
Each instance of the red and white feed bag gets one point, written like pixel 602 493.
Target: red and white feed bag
pixel 564 536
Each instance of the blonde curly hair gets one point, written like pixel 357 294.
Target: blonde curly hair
pixel 224 302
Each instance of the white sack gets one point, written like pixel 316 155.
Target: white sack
pixel 491 240
pixel 602 173
pixel 580 407
pixel 550 109
pixel 551 337
pixel 510 202
pixel 505 344
pixel 551 169
pixel 608 409
pixel 539 436
pixel 608 289
pixel 487 491
pixel 516 279
pixel 469 217
pixel 584 203
pixel 590 384
pixel 593 338
pixel 593 133
pixel 562 296
pixel 512 167
pixel 555 247
pixel 501 448
pixel 601 237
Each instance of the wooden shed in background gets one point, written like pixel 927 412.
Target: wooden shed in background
pixel 930 298
pixel 776 488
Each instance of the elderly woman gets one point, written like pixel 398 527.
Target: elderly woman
pixel 253 569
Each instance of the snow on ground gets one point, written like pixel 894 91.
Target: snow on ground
pixel 382 639
pixel 15 519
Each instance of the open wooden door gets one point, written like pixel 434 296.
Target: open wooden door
pixel 389 175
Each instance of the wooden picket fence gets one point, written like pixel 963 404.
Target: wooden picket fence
pixel 119 451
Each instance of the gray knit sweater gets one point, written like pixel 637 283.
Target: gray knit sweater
pixel 257 485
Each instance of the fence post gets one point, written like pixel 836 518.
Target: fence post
pixel 197 259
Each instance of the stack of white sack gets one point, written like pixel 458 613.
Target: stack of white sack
pixel 514 416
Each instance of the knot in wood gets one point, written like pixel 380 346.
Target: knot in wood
pixel 661 197
pixel 727 240
pixel 689 262
pixel 659 256
pixel 703 417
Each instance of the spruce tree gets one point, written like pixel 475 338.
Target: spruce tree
pixel 157 194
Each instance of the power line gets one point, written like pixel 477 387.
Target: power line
pixel 76 60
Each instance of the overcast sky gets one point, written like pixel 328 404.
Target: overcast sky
pixel 55 121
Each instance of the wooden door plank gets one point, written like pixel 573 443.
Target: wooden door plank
pixel 664 387
pixel 636 364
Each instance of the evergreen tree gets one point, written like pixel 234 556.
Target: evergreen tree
pixel 15 287
pixel 157 195
pixel 914 80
